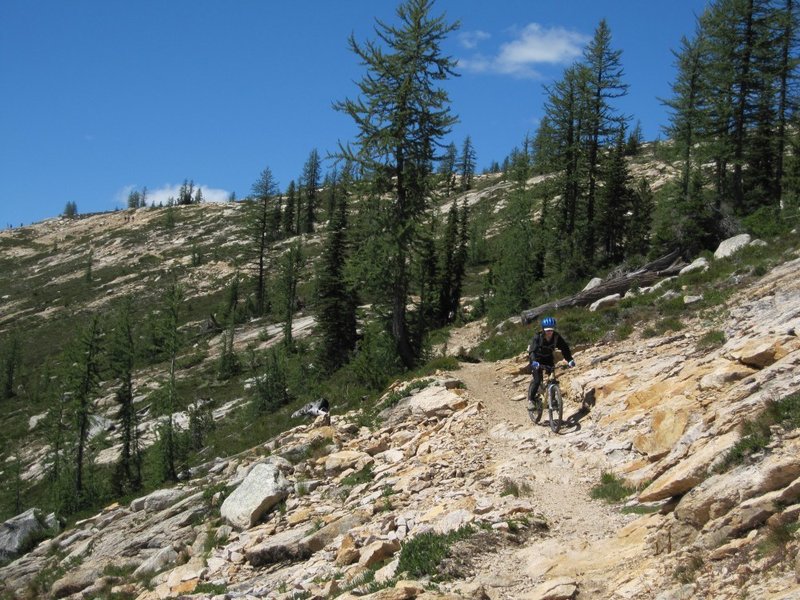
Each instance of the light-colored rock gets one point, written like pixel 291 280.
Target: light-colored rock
pixel 732 245
pixel 560 588
pixel 263 488
pixel 593 283
pixel 34 421
pixel 75 581
pixel 435 401
pixel 377 552
pixel 347 459
pixel 158 562
pixel 688 473
pixel 760 353
pixel 724 373
pixel 699 264
pixel 157 501
pixel 667 428
pixel 605 302
pixel 718 494
pixel 16 533
pixel 348 551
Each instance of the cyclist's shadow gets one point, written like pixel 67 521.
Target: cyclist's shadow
pixel 572 424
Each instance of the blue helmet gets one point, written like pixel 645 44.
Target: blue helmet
pixel 548 323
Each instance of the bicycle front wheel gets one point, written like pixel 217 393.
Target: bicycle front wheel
pixel 534 400
pixel 555 407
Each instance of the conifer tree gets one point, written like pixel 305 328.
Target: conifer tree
pixel 615 202
pixel 447 169
pixel 466 164
pixel 604 82
pixel 336 300
pixel 128 471
pixel 401 115
pixel 83 383
pixel 637 234
pixel 11 362
pixel 170 447
pixel 289 266
pixel 686 106
pixel 290 207
pixel 262 232
pixel 513 273
pixel 312 171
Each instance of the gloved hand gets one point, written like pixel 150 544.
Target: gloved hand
pixel 534 364
pixel 571 363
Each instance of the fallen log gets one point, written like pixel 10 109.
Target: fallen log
pixel 666 266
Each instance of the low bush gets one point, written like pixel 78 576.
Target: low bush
pixel 421 556
pixel 611 488
pixel 756 433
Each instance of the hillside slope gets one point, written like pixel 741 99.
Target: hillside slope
pixel 342 502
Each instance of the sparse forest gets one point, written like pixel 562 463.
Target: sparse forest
pixel 382 244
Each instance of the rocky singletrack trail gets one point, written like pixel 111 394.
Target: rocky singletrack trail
pixel 555 471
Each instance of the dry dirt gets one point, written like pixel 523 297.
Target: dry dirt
pixel 555 472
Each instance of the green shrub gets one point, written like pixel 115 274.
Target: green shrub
pixel 510 342
pixel 766 222
pixel 363 476
pixel 514 488
pixel 756 433
pixel 687 573
pixel 422 555
pixel 711 339
pixel 611 488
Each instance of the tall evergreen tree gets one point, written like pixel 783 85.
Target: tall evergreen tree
pixel 447 169
pixel 11 362
pixel 84 378
pixel 128 471
pixel 637 234
pixel 289 210
pixel 290 265
pixel 604 82
pixel 312 172
pixel 401 115
pixel 466 164
pixel 336 300
pixel 170 448
pixel 262 231
pixel 615 202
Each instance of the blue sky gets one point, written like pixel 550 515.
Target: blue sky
pixel 103 96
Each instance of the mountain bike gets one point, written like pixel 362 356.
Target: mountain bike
pixel 555 403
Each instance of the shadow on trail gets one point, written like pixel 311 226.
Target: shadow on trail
pixel 571 424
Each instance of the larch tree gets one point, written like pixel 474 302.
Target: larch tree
pixel 262 231
pixel 401 115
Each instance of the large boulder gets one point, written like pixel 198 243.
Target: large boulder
pixel 732 245
pixel 263 488
pixel 690 472
pixel 18 532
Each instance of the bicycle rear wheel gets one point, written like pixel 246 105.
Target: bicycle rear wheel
pixel 534 413
pixel 555 407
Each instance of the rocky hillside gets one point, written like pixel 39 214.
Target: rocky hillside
pixel 451 492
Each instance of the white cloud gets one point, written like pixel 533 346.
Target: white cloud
pixel 165 192
pixel 534 45
pixel 471 39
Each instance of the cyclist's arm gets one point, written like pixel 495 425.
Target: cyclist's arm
pixel 563 346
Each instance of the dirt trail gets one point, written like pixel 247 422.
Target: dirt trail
pixel 555 471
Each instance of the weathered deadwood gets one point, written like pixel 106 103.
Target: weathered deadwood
pixel 647 275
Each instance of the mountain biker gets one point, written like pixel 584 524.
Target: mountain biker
pixel 541 351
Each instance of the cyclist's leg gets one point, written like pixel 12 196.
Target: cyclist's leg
pixel 534 387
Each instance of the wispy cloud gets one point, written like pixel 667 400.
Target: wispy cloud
pixel 162 194
pixel 471 39
pixel 533 45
